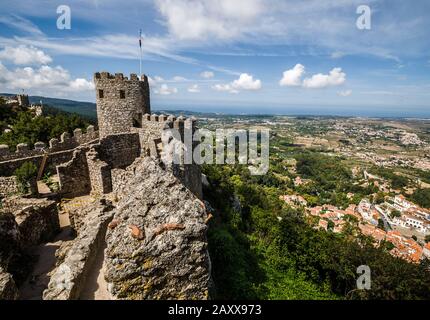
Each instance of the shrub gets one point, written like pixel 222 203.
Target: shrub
pixel 25 174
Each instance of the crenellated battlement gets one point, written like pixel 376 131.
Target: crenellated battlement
pixel 65 142
pixel 119 77
pixel 172 121
pixel 154 124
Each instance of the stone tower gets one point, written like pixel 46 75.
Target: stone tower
pixel 121 102
pixel 23 100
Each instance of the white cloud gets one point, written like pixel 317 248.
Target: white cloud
pixel 44 78
pixel 80 84
pixel 158 79
pixel 207 74
pixel 179 79
pixel 245 82
pixel 21 24
pixel 25 55
pixel 194 88
pixel 293 77
pixel 164 89
pixel 337 55
pixel 335 78
pixel 205 19
pixel 329 26
pixel 224 87
pixel 345 93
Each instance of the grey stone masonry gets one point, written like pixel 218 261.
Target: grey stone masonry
pixel 100 175
pixel 121 102
pixel 58 151
pixel 71 276
pixel 8 185
pixel 66 142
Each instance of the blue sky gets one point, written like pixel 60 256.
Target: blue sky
pixel 231 56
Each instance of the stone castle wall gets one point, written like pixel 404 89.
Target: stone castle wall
pixel 89 170
pixel 65 142
pixel 100 173
pixel 150 134
pixel 8 186
pixel 120 150
pixel 120 101
pixel 59 151
pixel 74 175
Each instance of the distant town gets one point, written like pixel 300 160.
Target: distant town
pixel 390 158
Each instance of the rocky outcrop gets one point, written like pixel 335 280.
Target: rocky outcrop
pixel 8 289
pixel 156 242
pixel 69 278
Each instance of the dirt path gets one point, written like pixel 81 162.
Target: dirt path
pixel 96 288
pixel 38 281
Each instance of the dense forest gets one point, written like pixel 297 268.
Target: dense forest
pixel 263 249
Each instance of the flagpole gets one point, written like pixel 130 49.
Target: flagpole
pixel 140 48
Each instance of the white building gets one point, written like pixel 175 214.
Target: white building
pixel 365 210
pixel 410 221
pixel 401 204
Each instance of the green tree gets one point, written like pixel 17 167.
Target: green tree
pixel 399 182
pixel 422 197
pixel 381 224
pixel 395 214
pixel 24 174
pixel 28 129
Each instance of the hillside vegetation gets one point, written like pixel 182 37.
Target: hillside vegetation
pixel 26 128
pixel 263 249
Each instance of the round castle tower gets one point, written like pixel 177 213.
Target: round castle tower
pixel 121 102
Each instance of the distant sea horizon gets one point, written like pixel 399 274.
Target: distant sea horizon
pixel 369 112
pixel 415 112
